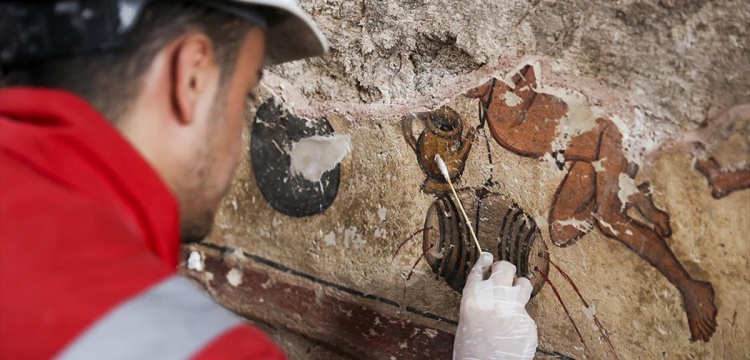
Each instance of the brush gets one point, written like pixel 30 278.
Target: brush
pixel 444 170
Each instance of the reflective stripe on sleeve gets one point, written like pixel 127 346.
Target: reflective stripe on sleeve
pixel 172 320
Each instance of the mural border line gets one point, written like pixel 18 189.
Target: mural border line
pixel 320 281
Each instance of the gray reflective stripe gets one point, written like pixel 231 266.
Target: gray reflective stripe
pixel 172 320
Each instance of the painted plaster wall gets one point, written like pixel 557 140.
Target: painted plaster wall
pixel 662 73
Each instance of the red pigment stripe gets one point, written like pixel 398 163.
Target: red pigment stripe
pixel 241 342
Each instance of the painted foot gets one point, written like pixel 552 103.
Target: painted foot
pixel 660 219
pixel 711 169
pixel 698 298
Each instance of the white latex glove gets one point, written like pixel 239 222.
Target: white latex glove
pixel 494 323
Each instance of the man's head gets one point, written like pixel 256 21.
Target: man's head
pixel 177 91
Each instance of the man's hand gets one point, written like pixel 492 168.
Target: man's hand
pixel 494 323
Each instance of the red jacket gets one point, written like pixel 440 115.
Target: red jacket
pixel 89 241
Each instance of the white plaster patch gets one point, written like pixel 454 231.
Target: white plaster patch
pixel 608 226
pixel 313 156
pixel 598 165
pixel 381 233
pixel 580 225
pixel 382 212
pixel 512 99
pixel 195 261
pixel 352 238
pixel 330 239
pixel 208 276
pixel 627 187
pixel 578 120
pixel 234 277
pixel 431 333
pixel 550 161
pixel 631 144
pixel 541 221
pixel 238 254
pixel 590 312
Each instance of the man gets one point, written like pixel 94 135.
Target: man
pixel 120 144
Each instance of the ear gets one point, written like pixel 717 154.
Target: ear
pixel 193 69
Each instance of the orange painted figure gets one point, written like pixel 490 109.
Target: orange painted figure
pixel 525 122
pixel 722 182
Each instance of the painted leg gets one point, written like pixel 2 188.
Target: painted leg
pixel 723 183
pixel 644 203
pixel 571 215
pixel 698 296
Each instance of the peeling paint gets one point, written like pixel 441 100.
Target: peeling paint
pixel 599 165
pixel 607 225
pixel 380 233
pixel 512 99
pixel 580 225
pixel 590 312
pixel 195 261
pixel 330 239
pixel 382 211
pixel 313 156
pixel 627 187
pixel 234 277
pixel 352 238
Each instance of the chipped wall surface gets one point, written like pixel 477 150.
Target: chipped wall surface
pixel 605 145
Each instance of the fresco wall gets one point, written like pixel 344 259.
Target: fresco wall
pixel 602 148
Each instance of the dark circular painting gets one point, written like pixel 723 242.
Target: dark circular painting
pixel 274 132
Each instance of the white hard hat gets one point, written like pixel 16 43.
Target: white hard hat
pixel 293 38
pixel 34 30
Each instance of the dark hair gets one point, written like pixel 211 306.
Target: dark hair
pixel 111 81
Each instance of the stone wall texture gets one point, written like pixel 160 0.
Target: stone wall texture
pixel 616 134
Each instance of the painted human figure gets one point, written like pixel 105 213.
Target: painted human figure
pixel 525 122
pixel 723 180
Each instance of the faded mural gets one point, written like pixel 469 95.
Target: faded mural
pixel 342 239
pixel 599 186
